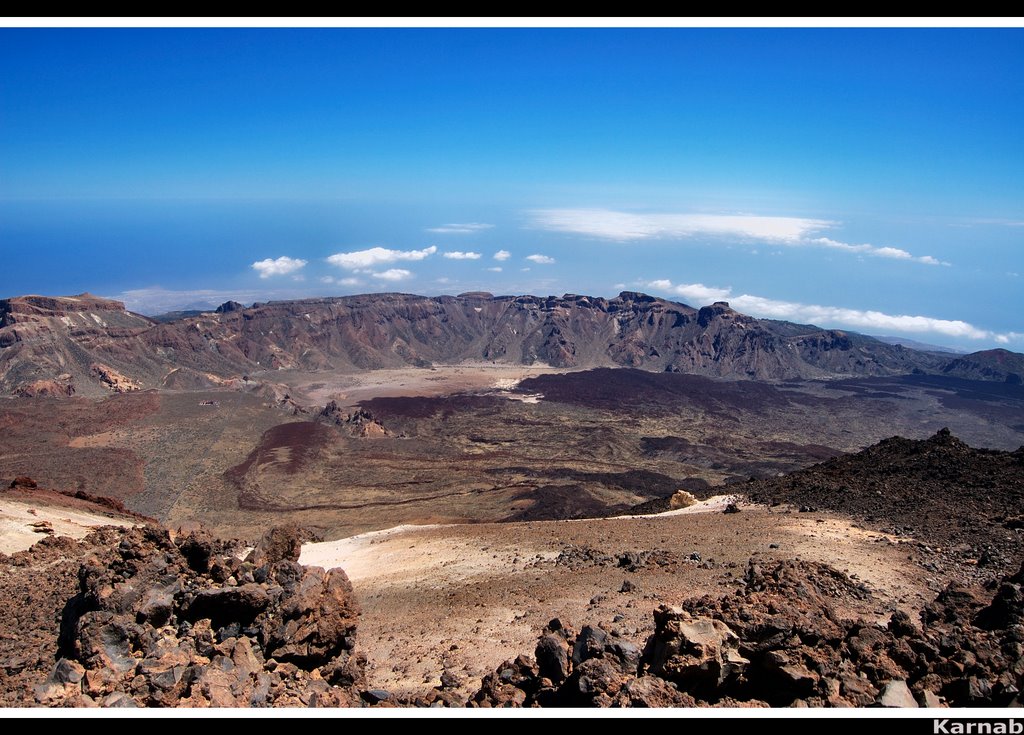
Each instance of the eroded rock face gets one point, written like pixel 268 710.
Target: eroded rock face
pixel 187 623
pixel 41 336
pixel 779 641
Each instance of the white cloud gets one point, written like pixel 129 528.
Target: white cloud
pixel 495 269
pixel 869 320
pixel 363 259
pixel 540 259
pixel 278 267
pixel 695 292
pixel 628 226
pixel 460 255
pixel 460 228
pixel 876 251
pixel 327 279
pixel 393 274
pixel 502 255
pixel 350 282
pixel 860 319
pixel 613 225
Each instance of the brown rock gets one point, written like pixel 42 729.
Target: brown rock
pixel 281 543
pixel 691 652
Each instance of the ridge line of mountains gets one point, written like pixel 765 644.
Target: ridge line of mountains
pixel 93 346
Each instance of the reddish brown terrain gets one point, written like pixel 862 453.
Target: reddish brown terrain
pixel 480 466
pixel 88 345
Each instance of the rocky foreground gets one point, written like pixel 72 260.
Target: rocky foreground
pixel 132 617
pixel 185 623
pixel 779 641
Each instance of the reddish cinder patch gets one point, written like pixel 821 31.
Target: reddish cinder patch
pixel 288 446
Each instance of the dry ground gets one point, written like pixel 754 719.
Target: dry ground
pixel 466 597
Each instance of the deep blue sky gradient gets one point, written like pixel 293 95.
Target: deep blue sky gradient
pixel 138 162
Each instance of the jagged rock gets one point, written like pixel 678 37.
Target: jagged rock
pixel 316 620
pixel 229 306
pixel 552 655
pixel 778 640
pixel 692 653
pixel 228 604
pixel 896 694
pixel 159 624
pixel 281 543
pixel 373 696
pixel 1006 608
pixel 118 699
pixel 450 680
pixel 23 482
pixel 589 643
pixel 67 672
pixel 901 626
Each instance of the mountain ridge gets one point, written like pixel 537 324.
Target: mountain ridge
pixel 93 345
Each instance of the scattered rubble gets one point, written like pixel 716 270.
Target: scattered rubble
pixel 779 641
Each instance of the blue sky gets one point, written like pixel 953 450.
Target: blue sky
pixel 863 179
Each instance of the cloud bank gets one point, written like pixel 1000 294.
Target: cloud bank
pixel 278 267
pixel 861 319
pixel 363 259
pixel 624 226
pixel 609 224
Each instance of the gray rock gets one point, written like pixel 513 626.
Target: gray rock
pixel 67 672
pixel 896 693
pixel 119 699
pixel 589 643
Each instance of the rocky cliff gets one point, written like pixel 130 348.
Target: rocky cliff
pixel 93 346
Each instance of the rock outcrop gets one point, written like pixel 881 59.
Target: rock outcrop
pixel 957 499
pixel 161 623
pixel 781 641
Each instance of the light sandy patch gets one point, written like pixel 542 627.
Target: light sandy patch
pixel 714 504
pixel 351 387
pixel 17 520
pixel 524 397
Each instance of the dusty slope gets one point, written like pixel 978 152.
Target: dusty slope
pixel 966 502
pixel 463 598
pixel 23 524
